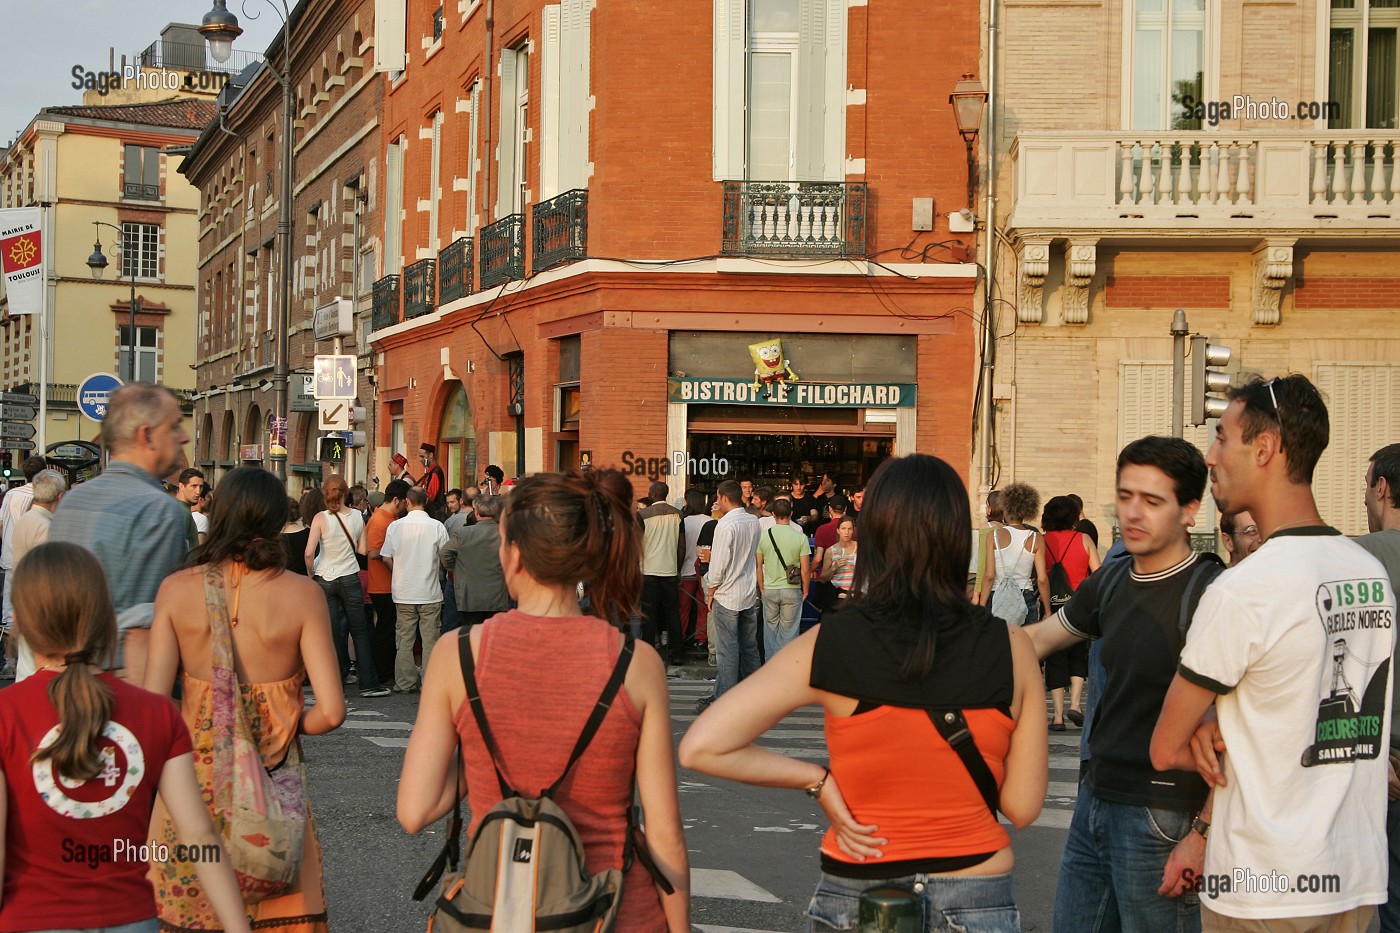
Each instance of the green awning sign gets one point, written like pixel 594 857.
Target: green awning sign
pixel 695 391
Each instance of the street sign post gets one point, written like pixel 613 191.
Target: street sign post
pixel 335 377
pixel 333 320
pixel 10 443
pixel 93 393
pixel 18 398
pixel 12 412
pixel 335 414
pixel 16 429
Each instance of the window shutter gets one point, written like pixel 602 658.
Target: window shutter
pixel 150 169
pixel 393 207
pixel 552 104
pixel 505 139
pixel 834 92
pixel 811 90
pixel 729 89
pixel 473 156
pixel 390 35
pixel 1363 416
pixel 576 49
pixel 434 183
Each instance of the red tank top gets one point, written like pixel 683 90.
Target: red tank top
pixel 1068 549
pixel 539 679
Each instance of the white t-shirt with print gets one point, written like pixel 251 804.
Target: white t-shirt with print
pixel 1297 642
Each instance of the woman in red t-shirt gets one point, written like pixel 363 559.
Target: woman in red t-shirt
pixel 77 809
pixel 1077 554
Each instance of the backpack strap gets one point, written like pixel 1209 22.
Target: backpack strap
pixel 635 846
pixel 451 854
pixel 952 725
pixel 600 710
pixel 464 654
pixel 1208 567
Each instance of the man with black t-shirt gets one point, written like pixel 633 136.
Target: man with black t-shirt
pixel 1135 828
pixel 804 506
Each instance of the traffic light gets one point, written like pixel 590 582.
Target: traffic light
pixel 332 448
pixel 356 438
pixel 1209 380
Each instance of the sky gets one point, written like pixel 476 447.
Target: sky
pixel 41 41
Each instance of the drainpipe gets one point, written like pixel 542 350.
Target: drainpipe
pixel 989 240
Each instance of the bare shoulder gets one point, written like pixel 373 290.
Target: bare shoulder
pixel 1020 641
pixel 182 583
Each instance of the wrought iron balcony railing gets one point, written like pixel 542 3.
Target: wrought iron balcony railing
pixel 141 192
pixel 419 291
pixel 794 219
pixel 386 302
pixel 455 270
pixel 561 229
pixel 503 251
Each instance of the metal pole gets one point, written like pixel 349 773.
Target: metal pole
pixel 284 239
pixel 990 260
pixel 1179 333
pixel 131 345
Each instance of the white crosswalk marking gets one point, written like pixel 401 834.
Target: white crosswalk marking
pixel 718 882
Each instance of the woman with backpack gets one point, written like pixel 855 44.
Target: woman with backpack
pixel 84 756
pixel 540 671
pixel 247 636
pixel 933 712
pixel 1076 554
pixel 1016 568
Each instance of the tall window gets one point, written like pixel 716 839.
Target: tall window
pixel 140 251
pixel 772 94
pixel 1168 62
pixel 393 207
pixel 434 182
pixel 146 353
pixel 473 160
pixel 142 176
pixel 1363 69
pixel 515 127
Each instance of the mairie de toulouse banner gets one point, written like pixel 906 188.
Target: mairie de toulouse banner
pixel 22 258
pixel 693 390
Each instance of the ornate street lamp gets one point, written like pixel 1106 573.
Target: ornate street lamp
pixel 220 28
pixel 969 99
pixel 97 264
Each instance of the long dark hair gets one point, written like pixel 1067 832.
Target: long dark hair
pixel 916 530
pixel 246 525
pixel 61 602
pixel 580 527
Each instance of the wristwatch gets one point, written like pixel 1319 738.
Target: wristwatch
pixel 815 791
pixel 1199 825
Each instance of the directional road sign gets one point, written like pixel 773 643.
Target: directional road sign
pixel 12 412
pixel 18 430
pixel 10 443
pixel 335 377
pixel 18 398
pixel 93 393
pixel 335 414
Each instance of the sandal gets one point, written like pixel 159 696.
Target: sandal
pixel 1057 727
pixel 1075 716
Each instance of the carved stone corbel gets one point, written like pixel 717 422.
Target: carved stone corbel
pixel 1035 265
pixel 1080 258
pixel 1273 269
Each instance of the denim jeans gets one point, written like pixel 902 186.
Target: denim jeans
pixel 782 611
pixel 1390 910
pixel 450 619
pixel 141 926
pixel 1112 867
pixel 345 594
pixel 951 903
pixel 736 644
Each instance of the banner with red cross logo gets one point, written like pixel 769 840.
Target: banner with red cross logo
pixel 22 258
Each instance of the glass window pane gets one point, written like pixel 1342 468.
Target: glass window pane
pixel 133 164
pixel 1147 80
pixel 570 351
pixel 1188 6
pixel 1343 4
pixel 774 15
pixel 1188 78
pixel 1383 4
pixel 1149 6
pixel 1380 79
pixel 770 115
pixel 1341 77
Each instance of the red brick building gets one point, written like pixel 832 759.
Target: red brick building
pixel 593 211
pixel 335 224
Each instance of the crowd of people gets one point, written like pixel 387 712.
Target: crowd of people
pixel 1237 722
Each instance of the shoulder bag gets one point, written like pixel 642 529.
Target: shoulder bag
pixel 794 574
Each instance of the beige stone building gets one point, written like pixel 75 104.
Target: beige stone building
pixel 1232 158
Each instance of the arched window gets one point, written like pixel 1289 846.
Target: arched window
pixel 457 439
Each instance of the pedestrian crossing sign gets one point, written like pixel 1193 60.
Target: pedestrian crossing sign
pixel 335 377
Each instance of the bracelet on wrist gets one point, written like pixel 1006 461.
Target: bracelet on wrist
pixel 815 791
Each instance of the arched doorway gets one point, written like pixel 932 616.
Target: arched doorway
pixel 228 452
pixel 457 440
pixel 254 429
pixel 206 439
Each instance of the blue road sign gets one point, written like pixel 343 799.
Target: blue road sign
pixel 93 393
pixel 335 376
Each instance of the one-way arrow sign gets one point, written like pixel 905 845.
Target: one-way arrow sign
pixel 16 430
pixel 9 412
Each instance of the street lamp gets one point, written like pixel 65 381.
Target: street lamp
pixel 969 98
pixel 220 28
pixel 97 262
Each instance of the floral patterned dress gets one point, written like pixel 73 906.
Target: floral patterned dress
pixel 273 711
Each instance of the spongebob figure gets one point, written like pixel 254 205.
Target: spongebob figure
pixel 770 365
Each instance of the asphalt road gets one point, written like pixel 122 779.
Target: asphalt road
pixel 753 850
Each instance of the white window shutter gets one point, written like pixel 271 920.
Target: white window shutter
pixel 551 104
pixel 393 207
pixel 729 88
pixel 811 90
pixel 576 49
pixel 390 35
pixel 834 92
pixel 435 183
pixel 505 145
pixel 473 155
pixel 1363 415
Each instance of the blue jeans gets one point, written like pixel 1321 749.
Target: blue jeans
pixel 951 903
pixel 1390 911
pixel 735 633
pixel 141 926
pixel 451 619
pixel 782 612
pixel 1112 867
pixel 344 594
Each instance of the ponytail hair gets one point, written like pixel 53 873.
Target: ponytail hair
pixel 63 609
pixel 580 527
